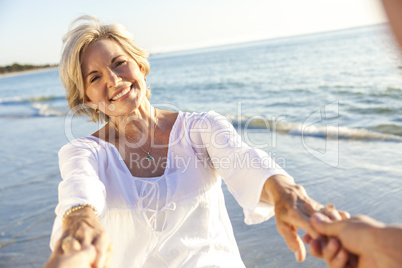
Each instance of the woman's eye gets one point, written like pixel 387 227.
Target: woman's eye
pixel 93 79
pixel 119 63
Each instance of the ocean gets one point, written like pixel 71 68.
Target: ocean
pixel 327 107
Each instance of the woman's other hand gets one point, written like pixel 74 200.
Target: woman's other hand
pixel 293 208
pixel 84 226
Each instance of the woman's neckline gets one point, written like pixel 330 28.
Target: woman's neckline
pixel 124 164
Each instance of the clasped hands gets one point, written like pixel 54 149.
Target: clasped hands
pixel 84 243
pixel 331 234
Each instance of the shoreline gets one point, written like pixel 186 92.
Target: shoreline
pixel 27 72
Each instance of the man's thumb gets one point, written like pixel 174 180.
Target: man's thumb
pixel 324 225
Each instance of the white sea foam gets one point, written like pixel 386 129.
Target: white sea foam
pixel 47 110
pixel 22 100
pixel 333 132
pixel 13 100
pixel 23 106
pixel 298 129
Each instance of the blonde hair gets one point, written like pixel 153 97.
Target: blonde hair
pixel 82 32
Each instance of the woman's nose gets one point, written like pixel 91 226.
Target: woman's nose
pixel 112 78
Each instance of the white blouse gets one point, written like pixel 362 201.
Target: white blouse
pixel 178 219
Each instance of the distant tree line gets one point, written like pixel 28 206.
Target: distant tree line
pixel 16 67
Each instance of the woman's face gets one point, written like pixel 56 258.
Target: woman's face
pixel 113 80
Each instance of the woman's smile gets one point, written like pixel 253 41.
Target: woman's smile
pixel 123 94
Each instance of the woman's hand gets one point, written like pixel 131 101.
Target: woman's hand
pixel 293 208
pixel 84 226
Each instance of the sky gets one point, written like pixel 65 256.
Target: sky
pixel 31 30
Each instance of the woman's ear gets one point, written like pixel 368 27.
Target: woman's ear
pixel 142 69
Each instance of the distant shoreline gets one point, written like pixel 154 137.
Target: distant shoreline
pixel 39 69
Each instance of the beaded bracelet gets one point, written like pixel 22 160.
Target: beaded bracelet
pixel 78 207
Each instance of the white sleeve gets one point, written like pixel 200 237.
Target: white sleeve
pixel 80 185
pixel 244 169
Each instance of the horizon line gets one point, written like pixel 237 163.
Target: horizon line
pixel 194 49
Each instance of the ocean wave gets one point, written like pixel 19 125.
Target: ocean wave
pixel 13 101
pixel 42 106
pixel 47 110
pixel 333 132
pixel 375 110
pixel 46 98
pixel 390 92
pixel 22 100
pixel 389 128
pixel 362 91
pixel 22 107
pixel 328 131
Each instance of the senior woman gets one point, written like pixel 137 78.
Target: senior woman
pixel 151 179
